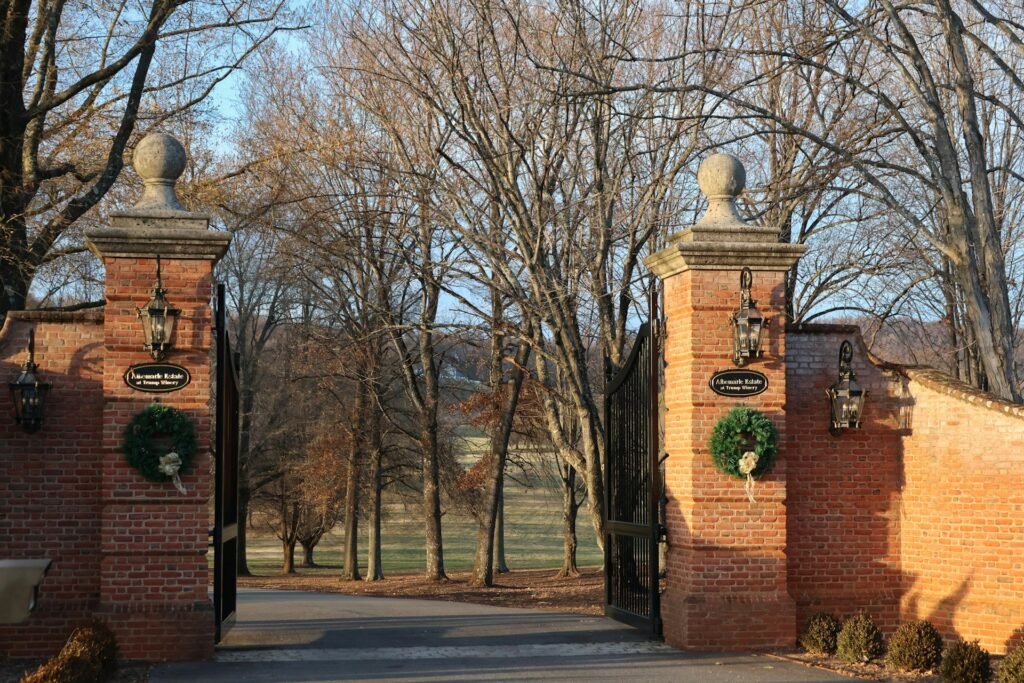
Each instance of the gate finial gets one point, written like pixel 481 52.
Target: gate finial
pixel 160 160
pixel 721 178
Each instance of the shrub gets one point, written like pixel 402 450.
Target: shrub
pixel 94 642
pixel 965 663
pixel 915 646
pixel 820 633
pixel 859 640
pixel 1012 668
pixel 89 656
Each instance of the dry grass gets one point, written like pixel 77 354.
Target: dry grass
pixel 526 588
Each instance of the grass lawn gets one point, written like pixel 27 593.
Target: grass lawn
pixel 533 533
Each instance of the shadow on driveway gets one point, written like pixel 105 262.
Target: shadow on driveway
pixel 285 636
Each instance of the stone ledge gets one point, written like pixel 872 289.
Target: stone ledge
pixel 88 315
pixel 684 255
pixel 946 384
pixel 148 242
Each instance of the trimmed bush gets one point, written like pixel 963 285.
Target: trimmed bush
pixel 915 646
pixel 965 663
pixel 820 633
pixel 859 640
pixel 1012 668
pixel 89 656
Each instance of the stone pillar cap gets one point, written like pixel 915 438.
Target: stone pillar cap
pixel 721 239
pixel 158 224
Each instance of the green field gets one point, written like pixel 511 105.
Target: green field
pixel 533 532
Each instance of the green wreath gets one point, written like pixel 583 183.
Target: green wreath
pixel 159 421
pixel 744 429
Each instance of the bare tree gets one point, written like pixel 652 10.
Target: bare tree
pixel 916 80
pixel 75 81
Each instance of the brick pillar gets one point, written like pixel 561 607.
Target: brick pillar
pixel 726 574
pixel 154 577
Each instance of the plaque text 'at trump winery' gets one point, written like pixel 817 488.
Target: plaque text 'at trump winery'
pixel 738 383
pixel 157 378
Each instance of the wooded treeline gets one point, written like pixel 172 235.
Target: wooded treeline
pixel 441 208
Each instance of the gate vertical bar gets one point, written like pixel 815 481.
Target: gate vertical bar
pixel 654 454
pixel 608 600
pixel 225 525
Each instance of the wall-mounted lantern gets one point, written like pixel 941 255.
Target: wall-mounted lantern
pixel 28 392
pixel 158 320
pixel 747 323
pixel 846 397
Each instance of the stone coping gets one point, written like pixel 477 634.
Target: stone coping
pixel 147 242
pixel 92 315
pixel 683 255
pixel 928 376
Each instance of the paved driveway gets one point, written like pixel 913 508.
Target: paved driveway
pixel 284 636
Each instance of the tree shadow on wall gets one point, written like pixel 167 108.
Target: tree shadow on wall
pixel 1016 639
pixel 943 615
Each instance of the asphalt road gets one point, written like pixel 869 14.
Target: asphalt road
pixel 284 636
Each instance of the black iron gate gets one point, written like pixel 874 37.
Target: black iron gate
pixel 632 486
pixel 225 516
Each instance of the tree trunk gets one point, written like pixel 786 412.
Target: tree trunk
pixel 984 255
pixel 594 476
pixel 288 566
pixel 350 554
pixel 500 563
pixel 483 563
pixel 586 456
pixel 307 554
pixel 375 568
pixel 501 431
pixel 432 507
pixel 569 511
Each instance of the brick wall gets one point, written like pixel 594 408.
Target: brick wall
pixel 962 532
pixel 50 480
pixel 843 491
pixel 127 550
pixel 919 514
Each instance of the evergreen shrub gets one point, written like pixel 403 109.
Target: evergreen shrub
pixel 859 640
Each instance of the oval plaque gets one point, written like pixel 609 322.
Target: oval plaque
pixel 157 378
pixel 738 383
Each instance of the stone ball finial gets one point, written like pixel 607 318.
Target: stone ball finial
pixel 722 178
pixel 721 175
pixel 159 159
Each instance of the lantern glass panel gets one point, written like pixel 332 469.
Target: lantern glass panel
pixel 156 322
pixel 742 336
pixel 754 343
pixel 147 328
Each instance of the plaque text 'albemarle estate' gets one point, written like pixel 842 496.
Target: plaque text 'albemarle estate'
pixel 157 378
pixel 738 383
